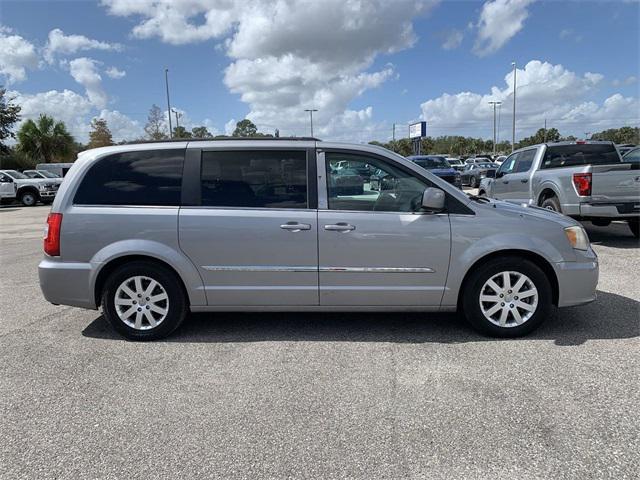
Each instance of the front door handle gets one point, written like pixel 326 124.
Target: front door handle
pixel 295 226
pixel 524 180
pixel 340 227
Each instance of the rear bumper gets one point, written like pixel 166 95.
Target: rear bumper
pixel 64 283
pixel 577 282
pixel 610 210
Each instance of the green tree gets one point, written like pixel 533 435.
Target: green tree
pixel 9 115
pixel 541 136
pixel 45 140
pixel 245 128
pixel 181 132
pixel 100 135
pixel 619 135
pixel 200 132
pixel 155 128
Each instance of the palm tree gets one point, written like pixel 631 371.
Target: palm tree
pixel 45 139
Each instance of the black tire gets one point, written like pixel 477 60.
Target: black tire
pixel 473 289
pixel 29 198
pixel 634 226
pixel 474 182
pixel 552 203
pixel 177 300
pixel 482 193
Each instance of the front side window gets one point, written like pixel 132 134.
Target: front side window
pixel 147 177
pixel 254 179
pixel 392 189
pixel 47 174
pixel 508 165
pixel 32 174
pixel 525 160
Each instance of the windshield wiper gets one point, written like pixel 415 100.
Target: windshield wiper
pixel 480 199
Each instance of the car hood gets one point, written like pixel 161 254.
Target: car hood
pixel 530 211
pixel 21 181
pixel 442 171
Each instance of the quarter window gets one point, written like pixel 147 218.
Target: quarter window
pixel 149 177
pixel 254 179
pixel 370 184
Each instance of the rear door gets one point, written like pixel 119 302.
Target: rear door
pixel 252 228
pixel 378 247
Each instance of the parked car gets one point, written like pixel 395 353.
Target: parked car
pixel 347 181
pixel 149 232
pixel 479 159
pixel 632 156
pixel 361 169
pixel 624 148
pixel 31 190
pixel 586 180
pixel 438 166
pixel 475 172
pixel 500 158
pixel 456 163
pixel 59 169
pixel 8 188
pixel 46 174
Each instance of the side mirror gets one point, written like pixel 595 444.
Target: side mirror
pixel 491 174
pixel 499 174
pixel 433 199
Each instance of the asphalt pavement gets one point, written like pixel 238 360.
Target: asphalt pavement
pixel 317 395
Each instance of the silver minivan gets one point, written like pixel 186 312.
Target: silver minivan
pixel 149 232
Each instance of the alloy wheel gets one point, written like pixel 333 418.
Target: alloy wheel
pixel 508 299
pixel 141 302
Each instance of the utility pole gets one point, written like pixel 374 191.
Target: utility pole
pixel 311 110
pixel 394 132
pixel 513 136
pixel 494 124
pixel 166 82
pixel 178 115
pixel 545 130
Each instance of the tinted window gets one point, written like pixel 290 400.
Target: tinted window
pixel 525 160
pixel 509 164
pixel 150 177
pixel 632 157
pixel 254 179
pixel 394 191
pixel 587 154
pixel 431 162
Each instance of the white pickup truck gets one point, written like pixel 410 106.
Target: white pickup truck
pixel 16 185
pixel 586 180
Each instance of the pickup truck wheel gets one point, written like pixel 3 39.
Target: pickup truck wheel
pixel 144 301
pixel 552 203
pixel 634 226
pixel 28 198
pixel 507 297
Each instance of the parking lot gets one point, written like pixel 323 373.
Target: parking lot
pixel 317 395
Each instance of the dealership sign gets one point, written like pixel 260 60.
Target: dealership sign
pixel 418 130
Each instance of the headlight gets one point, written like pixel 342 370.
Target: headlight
pixel 41 186
pixel 577 237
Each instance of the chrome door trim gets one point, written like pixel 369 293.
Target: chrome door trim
pixel 323 203
pixel 259 268
pixel 378 269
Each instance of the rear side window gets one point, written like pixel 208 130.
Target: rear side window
pixel 582 154
pixel 525 160
pixel 254 179
pixel 150 177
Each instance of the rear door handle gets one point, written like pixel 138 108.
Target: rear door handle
pixel 295 226
pixel 340 227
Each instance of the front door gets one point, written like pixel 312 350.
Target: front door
pixel 519 179
pixel 501 184
pixel 7 187
pixel 376 247
pixel 253 235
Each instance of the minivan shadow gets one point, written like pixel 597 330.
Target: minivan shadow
pixel 610 317
pixel 616 235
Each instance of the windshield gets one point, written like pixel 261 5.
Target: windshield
pixel 488 165
pixel 15 174
pixel 431 162
pixel 47 174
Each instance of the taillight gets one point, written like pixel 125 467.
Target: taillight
pixel 52 237
pixel 582 181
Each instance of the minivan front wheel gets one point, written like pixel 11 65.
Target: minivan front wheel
pixel 507 297
pixel 144 301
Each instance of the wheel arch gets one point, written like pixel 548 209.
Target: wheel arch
pixel 535 258
pixel 547 192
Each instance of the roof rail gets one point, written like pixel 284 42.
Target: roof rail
pixel 220 139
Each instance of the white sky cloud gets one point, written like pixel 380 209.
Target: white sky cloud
pixel 452 39
pixel 499 21
pixel 61 44
pixel 625 81
pixel 17 55
pixel 543 91
pixel 121 126
pixel 85 72
pixel 113 72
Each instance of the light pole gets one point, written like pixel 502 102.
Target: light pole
pixel 178 115
pixel 494 124
pixel 166 82
pixel 513 136
pixel 311 110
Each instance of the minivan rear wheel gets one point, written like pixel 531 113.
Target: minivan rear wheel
pixel 144 301
pixel 507 297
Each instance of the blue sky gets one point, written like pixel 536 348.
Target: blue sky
pixel 364 64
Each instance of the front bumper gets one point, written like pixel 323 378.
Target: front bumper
pixel 47 193
pixel 577 281
pixel 65 283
